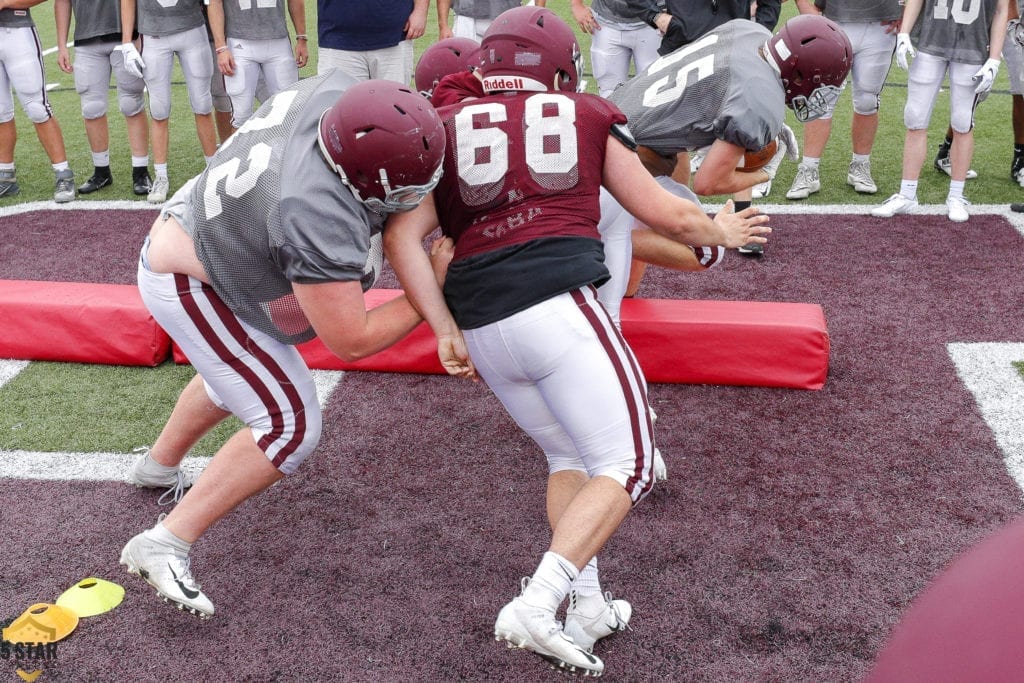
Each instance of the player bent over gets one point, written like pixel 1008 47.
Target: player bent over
pixel 266 249
pixel 519 197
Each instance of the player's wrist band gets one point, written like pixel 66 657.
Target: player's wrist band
pixel 301 36
pixel 221 49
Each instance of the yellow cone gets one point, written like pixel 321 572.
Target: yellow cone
pixel 41 623
pixel 91 596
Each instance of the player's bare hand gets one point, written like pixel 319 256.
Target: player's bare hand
pixel 226 62
pixel 451 349
pixel 301 53
pixel 64 60
pixel 416 26
pixel 445 33
pixel 585 19
pixel 892 26
pixel 442 250
pixel 748 226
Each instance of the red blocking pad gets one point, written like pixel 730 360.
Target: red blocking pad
pixel 745 343
pixel 78 322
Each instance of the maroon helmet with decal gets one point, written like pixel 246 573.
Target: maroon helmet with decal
pixel 813 56
pixel 386 142
pixel 530 48
pixel 444 57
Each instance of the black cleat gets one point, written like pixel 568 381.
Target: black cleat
pixel 98 181
pixel 141 182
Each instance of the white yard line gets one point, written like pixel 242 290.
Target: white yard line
pixel 986 370
pixel 65 466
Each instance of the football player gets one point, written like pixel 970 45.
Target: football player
pixel 251 41
pixel 273 244
pixel 966 42
pixel 519 197
pixel 169 28
pixel 871 28
pixel 97 54
pixel 699 98
pixel 21 68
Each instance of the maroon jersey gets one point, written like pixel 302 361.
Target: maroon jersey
pixel 520 197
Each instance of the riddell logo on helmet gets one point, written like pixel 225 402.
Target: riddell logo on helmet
pixel 495 83
pixel 504 83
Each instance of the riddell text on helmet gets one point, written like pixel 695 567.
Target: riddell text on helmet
pixel 512 83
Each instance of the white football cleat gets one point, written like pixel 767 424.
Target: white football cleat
pixel 894 205
pixel 586 630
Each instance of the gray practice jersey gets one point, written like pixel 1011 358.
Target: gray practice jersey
pixel 254 20
pixel 165 17
pixel 268 211
pixel 957 31
pixel 483 9
pixel 852 11
pixel 95 18
pixel 717 87
pixel 14 18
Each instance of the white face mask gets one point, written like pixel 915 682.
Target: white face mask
pixel 821 101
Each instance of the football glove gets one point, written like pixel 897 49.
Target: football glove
pixel 1015 31
pixel 985 76
pixel 772 167
pixel 787 138
pixel 904 49
pixel 133 63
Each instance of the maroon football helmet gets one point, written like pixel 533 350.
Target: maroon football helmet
pixel 813 56
pixel 386 142
pixel 530 48
pixel 445 57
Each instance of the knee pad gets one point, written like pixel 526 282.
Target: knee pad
pixel 916 115
pixel 299 444
pixel 93 107
pixel 130 104
pixel 159 108
pixel 865 103
pixel 6 114
pixel 37 111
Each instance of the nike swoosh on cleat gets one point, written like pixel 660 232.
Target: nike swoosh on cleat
pixel 188 593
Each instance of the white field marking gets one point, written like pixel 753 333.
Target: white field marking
pixel 1015 219
pixel 64 466
pixel 986 370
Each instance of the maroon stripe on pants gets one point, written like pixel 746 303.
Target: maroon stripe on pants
pixel 621 372
pixel 230 322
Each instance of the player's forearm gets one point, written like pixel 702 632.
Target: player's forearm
pixel 443 9
pixel 297 12
pixel 62 19
pixel 215 15
pixel 911 11
pixel 19 4
pixel 997 32
pixel 415 274
pixel 127 20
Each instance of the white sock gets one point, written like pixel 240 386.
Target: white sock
pixel 908 188
pixel 7 167
pixel 861 158
pixel 160 534
pixel 60 166
pixel 141 161
pixel 586 597
pixel 956 189
pixel 811 162
pixel 551 582
pixel 207 160
pixel 101 158
pixel 160 170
